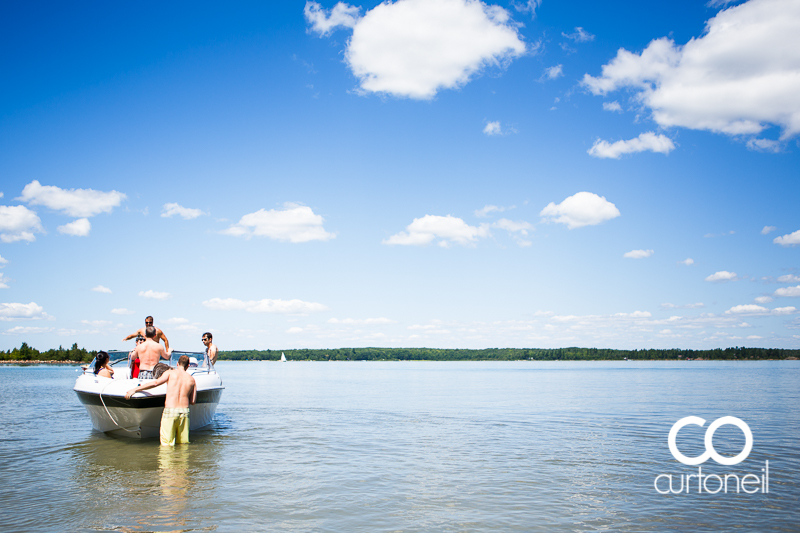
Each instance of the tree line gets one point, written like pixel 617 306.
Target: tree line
pixel 508 354
pixel 28 353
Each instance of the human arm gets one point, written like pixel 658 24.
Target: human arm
pixel 193 398
pixel 133 335
pixel 160 381
pixel 212 354
pixel 166 343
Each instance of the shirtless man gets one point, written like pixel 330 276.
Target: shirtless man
pixel 159 334
pixel 150 353
pixel 181 393
pixel 211 349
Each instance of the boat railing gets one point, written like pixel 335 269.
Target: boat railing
pixel 198 362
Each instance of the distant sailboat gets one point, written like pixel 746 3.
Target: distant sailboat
pixel 283 358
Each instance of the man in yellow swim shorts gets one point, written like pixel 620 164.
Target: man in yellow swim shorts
pixel 181 393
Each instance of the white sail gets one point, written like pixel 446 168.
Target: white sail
pixel 283 357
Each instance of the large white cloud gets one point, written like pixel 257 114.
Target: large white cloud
pixel 288 307
pixel 295 223
pixel 791 239
pixel 740 77
pixel 73 202
pixel 18 311
pixel 414 48
pixel 18 223
pixel 580 209
pixel 76 228
pixel 646 142
pixel 100 288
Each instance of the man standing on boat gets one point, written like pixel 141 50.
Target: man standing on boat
pixel 181 393
pixel 150 353
pixel 159 334
pixel 211 349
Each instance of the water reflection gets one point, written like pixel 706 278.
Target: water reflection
pixel 134 486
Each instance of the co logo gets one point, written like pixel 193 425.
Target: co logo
pixel 710 451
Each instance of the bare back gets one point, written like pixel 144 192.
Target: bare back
pixel 150 353
pixel 181 388
pixel 159 334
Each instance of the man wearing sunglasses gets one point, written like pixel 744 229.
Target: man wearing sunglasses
pixel 159 334
pixel 211 349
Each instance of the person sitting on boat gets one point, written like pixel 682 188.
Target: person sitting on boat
pixel 181 393
pixel 211 349
pixel 148 322
pixel 150 353
pixel 101 367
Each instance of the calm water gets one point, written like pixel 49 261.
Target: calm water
pixel 398 446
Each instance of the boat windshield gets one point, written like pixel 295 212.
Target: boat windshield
pixel 197 360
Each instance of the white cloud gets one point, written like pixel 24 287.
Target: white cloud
pixel 580 209
pixel 612 106
pixel 740 77
pixel 485 210
pixel 579 35
pixel 184 212
pixel 294 330
pixel 100 288
pixel 288 307
pixel 154 295
pixel 76 228
pixel 97 323
pixel 18 311
pixel 3 281
pixel 122 311
pixel 767 229
pixel 26 330
pixel 3 262
pixel 646 142
pixel 362 321
pixel 72 202
pixel 757 310
pixel 791 239
pixel 688 261
pixel 697 305
pixel 175 321
pixel 638 254
pixel 295 223
pixel 789 278
pixel 529 6
pixel 554 72
pixel 763 299
pixel 765 145
pixel 448 229
pixel 722 275
pixel 493 128
pixel 414 48
pixel 322 22
pixel 18 223
pixel 788 292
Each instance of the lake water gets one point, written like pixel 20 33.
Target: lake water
pixel 411 446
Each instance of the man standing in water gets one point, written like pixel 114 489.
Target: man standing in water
pixel 148 322
pixel 181 393
pixel 150 353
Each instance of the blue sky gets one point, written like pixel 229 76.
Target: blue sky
pixel 441 173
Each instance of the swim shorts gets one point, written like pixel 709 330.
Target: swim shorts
pixel 175 426
pixel 145 374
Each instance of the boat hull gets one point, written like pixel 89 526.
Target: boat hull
pixel 140 416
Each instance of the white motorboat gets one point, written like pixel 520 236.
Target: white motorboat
pixel 140 416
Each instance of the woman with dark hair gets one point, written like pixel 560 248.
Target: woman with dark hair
pixel 101 367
